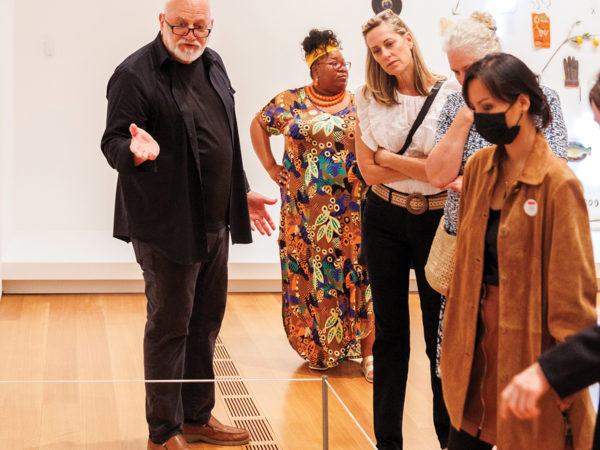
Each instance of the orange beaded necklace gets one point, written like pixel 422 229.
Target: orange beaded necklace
pixel 323 100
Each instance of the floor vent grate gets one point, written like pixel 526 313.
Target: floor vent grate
pixel 240 404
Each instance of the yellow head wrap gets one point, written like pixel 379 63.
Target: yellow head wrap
pixel 313 56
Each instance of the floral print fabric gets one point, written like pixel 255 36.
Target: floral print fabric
pixel 327 306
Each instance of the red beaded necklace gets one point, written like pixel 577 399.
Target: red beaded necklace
pixel 323 100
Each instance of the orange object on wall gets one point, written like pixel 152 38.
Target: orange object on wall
pixel 541 30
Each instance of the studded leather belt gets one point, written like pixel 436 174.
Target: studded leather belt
pixel 414 203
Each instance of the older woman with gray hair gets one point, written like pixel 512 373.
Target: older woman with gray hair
pixel 457 139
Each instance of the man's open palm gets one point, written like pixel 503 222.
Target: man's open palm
pixel 143 146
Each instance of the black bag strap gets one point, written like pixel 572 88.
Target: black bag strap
pixel 419 120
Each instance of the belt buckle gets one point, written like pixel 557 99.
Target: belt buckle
pixel 417 210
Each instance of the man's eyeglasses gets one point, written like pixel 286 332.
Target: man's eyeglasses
pixel 199 32
pixel 336 65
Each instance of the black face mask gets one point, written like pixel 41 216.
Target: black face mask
pixel 493 127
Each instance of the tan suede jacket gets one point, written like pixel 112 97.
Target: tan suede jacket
pixel 547 287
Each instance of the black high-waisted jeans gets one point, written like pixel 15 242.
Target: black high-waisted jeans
pixel 393 239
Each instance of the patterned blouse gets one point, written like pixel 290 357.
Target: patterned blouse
pixel 555 134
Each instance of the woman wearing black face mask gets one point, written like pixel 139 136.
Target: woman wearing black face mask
pixel 465 42
pixel 525 274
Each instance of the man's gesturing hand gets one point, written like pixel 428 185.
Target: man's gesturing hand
pixel 259 217
pixel 143 146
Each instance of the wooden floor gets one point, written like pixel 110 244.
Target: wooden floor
pixel 99 337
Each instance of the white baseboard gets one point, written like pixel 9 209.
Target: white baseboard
pixel 118 271
pixel 81 278
pixel 117 286
pixel 119 277
pixel 72 279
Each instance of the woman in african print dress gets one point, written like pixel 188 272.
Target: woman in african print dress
pixel 327 307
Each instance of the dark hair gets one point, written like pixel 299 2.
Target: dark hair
pixel 319 39
pixel 595 93
pixel 506 77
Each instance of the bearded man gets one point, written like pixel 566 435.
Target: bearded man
pixel 171 134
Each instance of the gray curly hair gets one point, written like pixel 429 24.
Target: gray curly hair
pixel 475 36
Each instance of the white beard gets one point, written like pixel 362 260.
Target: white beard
pixel 188 55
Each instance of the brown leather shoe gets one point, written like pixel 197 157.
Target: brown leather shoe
pixel 177 442
pixel 214 432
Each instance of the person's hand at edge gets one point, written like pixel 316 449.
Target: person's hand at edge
pixel 523 392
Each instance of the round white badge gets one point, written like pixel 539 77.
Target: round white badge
pixel 530 207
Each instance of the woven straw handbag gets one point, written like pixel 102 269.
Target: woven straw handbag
pixel 440 262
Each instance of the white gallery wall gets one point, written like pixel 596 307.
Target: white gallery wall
pixel 6 116
pixel 57 191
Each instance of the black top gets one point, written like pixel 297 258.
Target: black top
pixel 214 141
pixel 162 202
pixel 490 261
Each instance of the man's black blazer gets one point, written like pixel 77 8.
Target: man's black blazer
pixel 161 202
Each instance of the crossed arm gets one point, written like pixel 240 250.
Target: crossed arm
pixel 440 168
pixel 383 166
pixel 443 164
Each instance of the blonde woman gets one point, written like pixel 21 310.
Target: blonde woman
pixel 402 211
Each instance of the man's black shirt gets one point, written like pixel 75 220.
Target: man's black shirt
pixel 214 141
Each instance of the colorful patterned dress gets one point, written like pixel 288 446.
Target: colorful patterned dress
pixel 327 305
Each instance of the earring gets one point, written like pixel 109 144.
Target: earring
pixel 316 82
